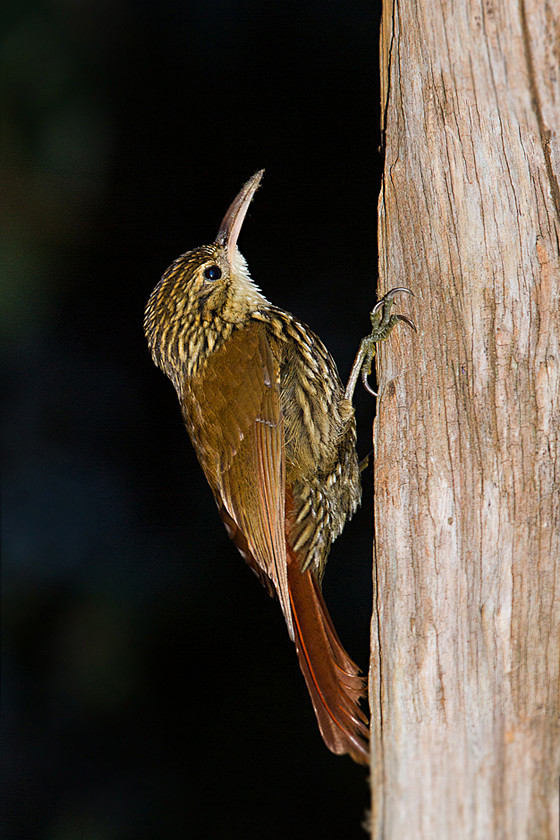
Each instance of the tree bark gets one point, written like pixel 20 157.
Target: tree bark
pixel 465 685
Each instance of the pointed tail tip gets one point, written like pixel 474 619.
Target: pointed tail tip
pixel 357 747
pixel 343 734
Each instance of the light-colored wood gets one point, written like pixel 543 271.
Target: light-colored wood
pixel 465 684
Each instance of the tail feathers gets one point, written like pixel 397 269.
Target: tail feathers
pixel 333 680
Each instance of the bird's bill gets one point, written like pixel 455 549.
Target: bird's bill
pixel 230 228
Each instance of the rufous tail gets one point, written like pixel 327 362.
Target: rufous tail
pixel 333 680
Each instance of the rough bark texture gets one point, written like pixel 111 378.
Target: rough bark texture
pixel 466 628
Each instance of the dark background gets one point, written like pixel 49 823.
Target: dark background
pixel 149 686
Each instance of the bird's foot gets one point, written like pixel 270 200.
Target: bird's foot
pixel 382 323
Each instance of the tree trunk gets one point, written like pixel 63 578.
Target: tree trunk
pixel 465 683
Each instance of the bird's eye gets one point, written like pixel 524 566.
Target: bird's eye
pixel 213 272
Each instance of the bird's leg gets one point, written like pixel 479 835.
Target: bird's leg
pixel 364 463
pixel 382 323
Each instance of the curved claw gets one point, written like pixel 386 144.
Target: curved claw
pixel 392 292
pixel 407 321
pixel 366 384
pixel 390 295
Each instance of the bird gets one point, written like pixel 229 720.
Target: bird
pixel 275 434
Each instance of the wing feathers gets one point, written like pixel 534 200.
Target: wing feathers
pixel 240 443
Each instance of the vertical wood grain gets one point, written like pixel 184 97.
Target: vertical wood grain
pixel 465 676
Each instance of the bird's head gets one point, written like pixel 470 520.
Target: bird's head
pixel 205 285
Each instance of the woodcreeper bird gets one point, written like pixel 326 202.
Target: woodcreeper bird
pixel 275 434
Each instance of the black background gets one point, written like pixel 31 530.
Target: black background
pixel 150 689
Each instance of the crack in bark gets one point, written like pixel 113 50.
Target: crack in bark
pixel 385 105
pixel 537 108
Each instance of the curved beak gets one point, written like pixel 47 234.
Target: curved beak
pixel 232 221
